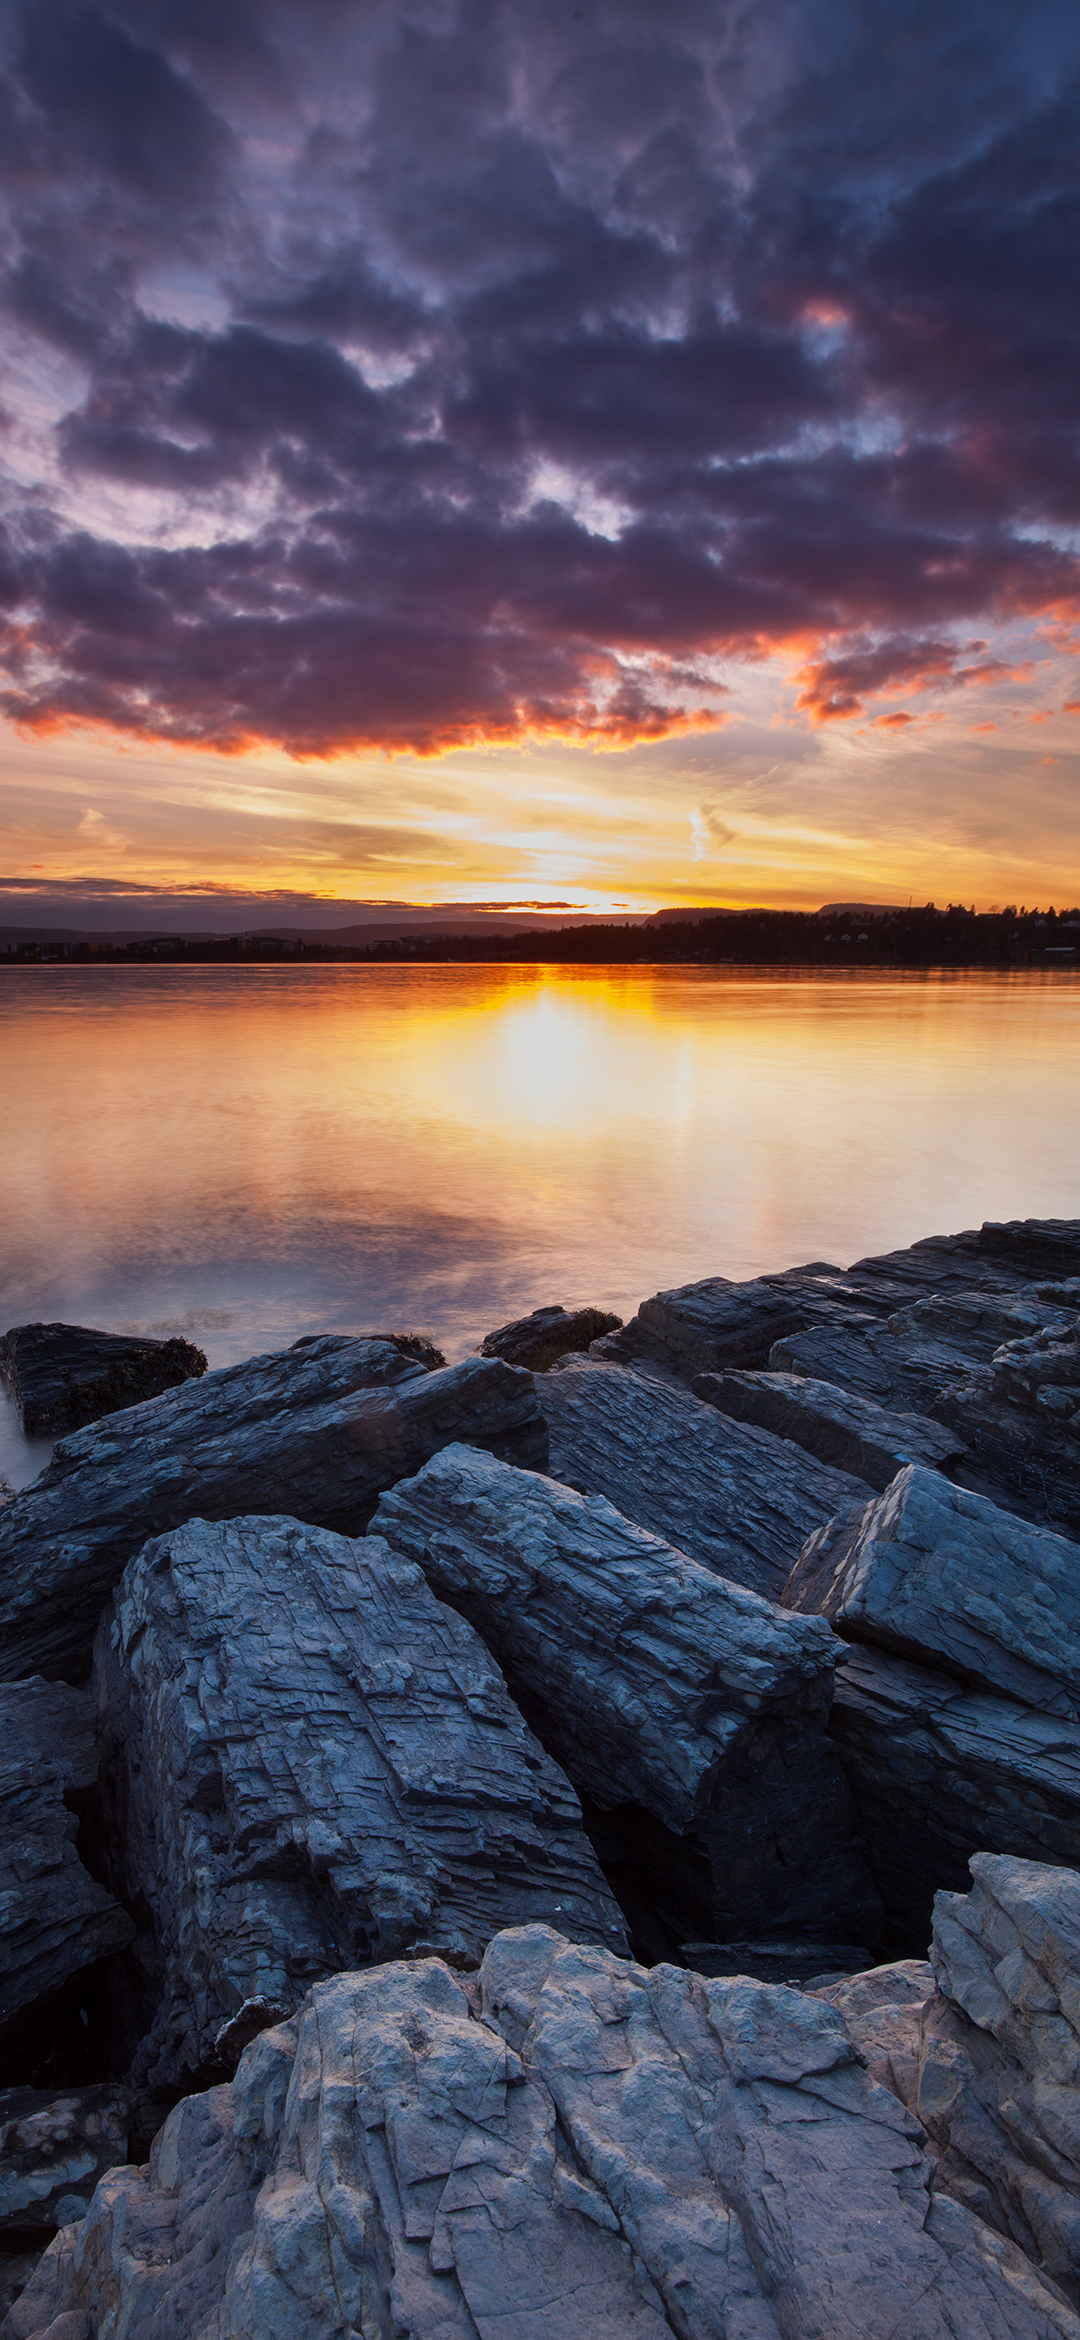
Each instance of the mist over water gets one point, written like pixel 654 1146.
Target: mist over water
pixel 245 1154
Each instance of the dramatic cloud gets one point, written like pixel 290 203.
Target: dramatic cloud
pixel 419 376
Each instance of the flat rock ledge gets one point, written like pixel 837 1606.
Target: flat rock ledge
pixel 62 1375
pixel 570 2146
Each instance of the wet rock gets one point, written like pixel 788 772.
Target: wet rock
pixel 316 1431
pixel 62 1375
pixel 738 1499
pixel 920 1356
pixel 983 2045
pixel 1021 1416
pixel 539 1340
pixel 677 1701
pixel 937 1574
pixel 699 1327
pixel 310 1764
pixel 54 2146
pixel 939 1773
pixel 1037 1246
pixel 58 1927
pixel 836 1427
pixel 581 2148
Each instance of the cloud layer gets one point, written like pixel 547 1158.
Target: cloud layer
pixel 415 376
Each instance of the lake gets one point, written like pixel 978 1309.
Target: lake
pixel 245 1154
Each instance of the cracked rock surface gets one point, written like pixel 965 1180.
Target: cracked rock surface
pixel 62 1375
pixel 574 2147
pixel 660 1687
pixel 848 1432
pixel 941 1575
pixel 54 2146
pixel 317 1431
pixel 310 1763
pixel 983 2045
pixel 538 1340
pixel 736 1498
pixel 57 1925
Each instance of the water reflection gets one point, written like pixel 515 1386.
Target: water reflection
pixel 246 1154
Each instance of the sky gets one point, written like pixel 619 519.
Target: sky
pixel 489 450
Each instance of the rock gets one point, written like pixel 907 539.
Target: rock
pixel 537 1341
pixel 677 1701
pixel 62 1375
pixel 1037 1246
pixel 937 1574
pixel 315 1431
pixel 738 1499
pixel 310 1764
pixel 57 1925
pixel 850 1433
pixel 988 2060
pixel 582 2148
pixel 54 2146
pixel 1020 1416
pixel 938 1773
pixel 779 1959
pixel 920 1356
pixel 712 1324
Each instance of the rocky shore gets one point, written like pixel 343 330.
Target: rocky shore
pixel 580 1844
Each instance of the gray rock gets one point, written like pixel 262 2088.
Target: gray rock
pixel 57 1926
pixel 937 1574
pixel 54 2146
pixel 62 1375
pixel 316 1431
pixel 582 2149
pixel 311 1764
pixel 711 1324
pixel 939 1773
pixel 1020 1417
pixel 779 1959
pixel 539 1340
pixel 1037 1246
pixel 674 1698
pixel 988 2060
pixel 920 1356
pixel 736 1498
pixel 836 1427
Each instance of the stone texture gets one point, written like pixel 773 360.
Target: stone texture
pixel 54 2146
pixel 62 1375
pixel 736 1498
pixel 1020 1416
pixel 582 2151
pixel 715 1323
pixel 937 1574
pixel 674 1698
pixel 316 1431
pixel 983 2045
pixel 57 1925
pixel 779 1959
pixel 939 1772
pixel 850 1433
pixel 537 1341
pixel 310 1764
pixel 1038 1246
pixel 920 1356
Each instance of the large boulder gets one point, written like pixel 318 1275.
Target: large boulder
pixel 938 1574
pixel 849 1433
pixel 687 1707
pixel 310 1763
pixel 316 1431
pixel 983 2045
pixel 736 1498
pixel 58 1926
pixel 939 1773
pixel 579 2148
pixel 62 1375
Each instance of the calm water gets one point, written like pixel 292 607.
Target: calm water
pixel 247 1154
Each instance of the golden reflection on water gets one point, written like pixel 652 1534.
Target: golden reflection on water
pixel 256 1153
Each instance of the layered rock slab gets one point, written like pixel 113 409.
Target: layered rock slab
pixel 983 2046
pixel 310 1763
pixel 316 1431
pixel 54 2146
pixel 938 1574
pixel 58 1926
pixel 939 1773
pixel 579 2147
pixel 849 1433
pixel 678 1701
pixel 63 1375
pixel 735 1497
